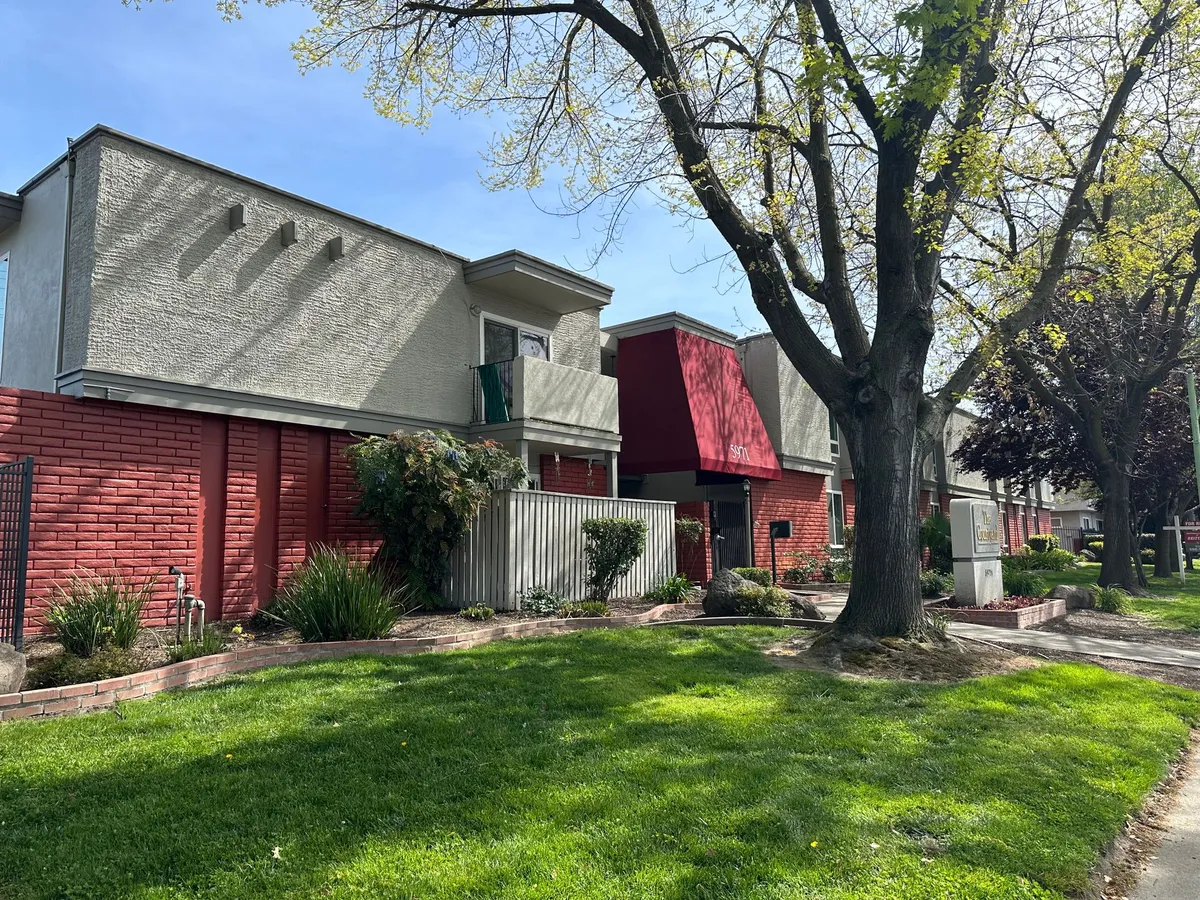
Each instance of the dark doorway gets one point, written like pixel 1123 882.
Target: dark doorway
pixel 729 535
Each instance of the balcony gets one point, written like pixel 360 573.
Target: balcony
pixel 528 389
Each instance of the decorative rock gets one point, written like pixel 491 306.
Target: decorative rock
pixel 1077 596
pixel 804 608
pixel 12 669
pixel 721 599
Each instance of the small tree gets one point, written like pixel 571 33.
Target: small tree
pixel 422 491
pixel 688 532
pixel 612 546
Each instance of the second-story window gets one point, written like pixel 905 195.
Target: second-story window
pixel 504 340
pixel 837 519
pixel 835 446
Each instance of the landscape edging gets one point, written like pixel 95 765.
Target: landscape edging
pixel 96 695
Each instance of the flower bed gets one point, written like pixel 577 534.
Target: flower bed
pixel 92 695
pixel 1012 612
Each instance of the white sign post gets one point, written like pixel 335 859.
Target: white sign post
pixel 975 540
pixel 1179 530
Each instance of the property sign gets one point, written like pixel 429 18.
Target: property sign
pixel 985 527
pixel 1192 537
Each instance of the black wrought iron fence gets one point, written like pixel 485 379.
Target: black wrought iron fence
pixel 16 497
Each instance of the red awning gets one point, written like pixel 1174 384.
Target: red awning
pixel 685 405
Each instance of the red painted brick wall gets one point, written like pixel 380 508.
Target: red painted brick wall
pixel 1043 521
pixel 695 560
pixel 798 496
pixel 117 488
pixel 570 475
pixel 848 501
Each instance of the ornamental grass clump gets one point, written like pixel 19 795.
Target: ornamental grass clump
pixel 96 611
pixel 676 589
pixel 333 597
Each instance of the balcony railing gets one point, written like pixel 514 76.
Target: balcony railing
pixel 492 393
pixel 536 389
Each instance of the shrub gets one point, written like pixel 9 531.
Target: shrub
pixel 936 584
pixel 422 491
pixel 97 611
pixel 1042 543
pixel 211 642
pixel 689 530
pixel 1023 583
pixel 67 668
pixel 752 573
pixel 1147 557
pixel 1112 600
pixel 541 601
pixel 805 567
pixel 583 609
pixel 332 597
pixel 478 612
pixel 1045 560
pixel 611 546
pixel 676 589
pixel 1096 548
pixel 935 537
pixel 759 600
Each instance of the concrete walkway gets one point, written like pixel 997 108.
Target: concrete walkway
pixel 1174 873
pixel 1154 654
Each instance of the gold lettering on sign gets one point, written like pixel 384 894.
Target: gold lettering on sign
pixel 987 529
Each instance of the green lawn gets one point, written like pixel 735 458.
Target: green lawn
pixel 1170 604
pixel 649 763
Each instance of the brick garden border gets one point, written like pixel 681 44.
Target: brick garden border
pixel 1008 618
pixel 95 695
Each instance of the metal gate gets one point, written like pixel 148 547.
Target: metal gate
pixel 729 535
pixel 16 495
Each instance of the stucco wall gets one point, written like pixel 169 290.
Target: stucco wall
pixel 795 417
pixel 175 295
pixel 35 250
pixel 555 393
pixel 958 424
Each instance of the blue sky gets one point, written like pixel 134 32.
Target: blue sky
pixel 229 93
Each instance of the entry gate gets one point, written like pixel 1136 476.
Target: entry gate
pixel 16 496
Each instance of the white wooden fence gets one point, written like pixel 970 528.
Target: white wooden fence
pixel 527 539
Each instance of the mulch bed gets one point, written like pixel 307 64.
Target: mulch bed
pixel 1120 627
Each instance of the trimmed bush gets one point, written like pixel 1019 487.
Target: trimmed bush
pixel 1096 548
pixel 755 574
pixel 332 597
pixel 478 612
pixel 676 589
pixel 758 600
pixel 97 611
pixel 1023 583
pixel 936 584
pixel 612 546
pixel 1042 543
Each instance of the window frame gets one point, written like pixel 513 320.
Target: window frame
pixel 841 519
pixel 1057 519
pixel 485 317
pixel 6 259
pixel 835 436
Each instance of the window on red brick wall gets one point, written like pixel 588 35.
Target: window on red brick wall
pixel 837 519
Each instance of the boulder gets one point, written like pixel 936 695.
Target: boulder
pixel 12 669
pixel 1077 596
pixel 721 598
pixel 803 608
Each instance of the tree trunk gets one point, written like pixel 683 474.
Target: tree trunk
pixel 1164 551
pixel 885 593
pixel 1116 569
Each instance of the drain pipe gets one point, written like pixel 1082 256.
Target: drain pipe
pixel 180 587
pixel 66 259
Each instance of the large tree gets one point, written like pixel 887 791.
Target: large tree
pixel 877 170
pixel 1090 398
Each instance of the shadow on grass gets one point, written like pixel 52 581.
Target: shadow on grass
pixel 656 763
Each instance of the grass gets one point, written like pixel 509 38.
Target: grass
pixel 1169 604
pixel 652 763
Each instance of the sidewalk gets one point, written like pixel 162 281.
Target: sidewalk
pixel 1174 871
